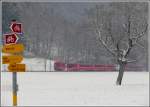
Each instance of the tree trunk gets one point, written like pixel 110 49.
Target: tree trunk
pixel 121 71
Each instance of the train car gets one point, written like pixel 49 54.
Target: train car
pixel 59 66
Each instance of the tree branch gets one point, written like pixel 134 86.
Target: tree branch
pixel 130 61
pixel 104 44
pixel 130 45
pixel 138 37
pixel 99 33
pixel 110 33
pixel 140 45
pixel 141 34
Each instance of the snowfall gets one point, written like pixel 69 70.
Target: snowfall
pixel 75 88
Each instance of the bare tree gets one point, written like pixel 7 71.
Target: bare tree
pixel 119 35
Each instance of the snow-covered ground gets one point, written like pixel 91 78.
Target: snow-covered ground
pixel 76 88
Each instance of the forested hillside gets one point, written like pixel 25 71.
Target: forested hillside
pixel 63 31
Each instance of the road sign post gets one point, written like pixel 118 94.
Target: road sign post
pixel 11 38
pixel 16 67
pixel 16 27
pixel 11 59
pixel 12 47
pixel 15 88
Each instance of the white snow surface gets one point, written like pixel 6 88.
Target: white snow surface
pixel 76 88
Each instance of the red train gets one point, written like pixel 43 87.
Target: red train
pixel 60 66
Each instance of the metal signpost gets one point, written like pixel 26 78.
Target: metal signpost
pixel 15 88
pixel 12 47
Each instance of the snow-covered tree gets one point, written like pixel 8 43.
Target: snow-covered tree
pixel 119 28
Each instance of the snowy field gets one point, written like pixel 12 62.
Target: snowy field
pixel 76 88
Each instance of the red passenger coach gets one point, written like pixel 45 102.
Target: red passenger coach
pixel 60 66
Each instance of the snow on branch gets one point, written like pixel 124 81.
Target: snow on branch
pixel 140 45
pixel 130 61
pixel 98 32
pixel 138 37
pixel 104 44
pixel 141 34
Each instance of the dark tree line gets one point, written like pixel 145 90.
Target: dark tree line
pixel 66 31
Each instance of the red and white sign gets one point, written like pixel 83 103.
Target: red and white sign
pixel 11 38
pixel 16 27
